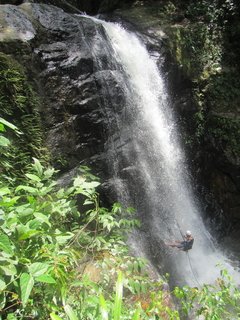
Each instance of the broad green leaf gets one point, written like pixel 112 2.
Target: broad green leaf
pixel 38 167
pixel 45 190
pixel 8 270
pixel 68 191
pixel 9 202
pixel 42 217
pixel 2 285
pixel 87 202
pixel 103 307
pixel 69 311
pixel 12 316
pixel 28 189
pixel 78 181
pixel 54 316
pixel 38 268
pixel 4 142
pixel 90 185
pixel 5 244
pixel 4 191
pixel 24 232
pixel 24 210
pixel 9 124
pixel 5 257
pixel 60 193
pixel 34 224
pixel 26 285
pixel 24 260
pixel 61 239
pixel 45 278
pixel 32 177
pixel 49 173
pixel 29 234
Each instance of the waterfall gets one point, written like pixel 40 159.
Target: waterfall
pixel 149 170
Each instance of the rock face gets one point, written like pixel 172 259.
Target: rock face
pixel 74 6
pixel 58 51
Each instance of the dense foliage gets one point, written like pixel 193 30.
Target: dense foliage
pixel 19 104
pixel 204 43
pixel 61 263
pixel 63 255
pixel 47 245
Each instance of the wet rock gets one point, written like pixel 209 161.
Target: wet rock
pixel 78 91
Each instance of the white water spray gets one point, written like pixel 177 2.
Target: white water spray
pixel 155 159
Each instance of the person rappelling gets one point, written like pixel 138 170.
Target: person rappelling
pixel 185 244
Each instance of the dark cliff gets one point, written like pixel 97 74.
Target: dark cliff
pixel 56 51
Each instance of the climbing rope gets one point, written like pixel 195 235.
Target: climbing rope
pixel 192 269
pixel 189 260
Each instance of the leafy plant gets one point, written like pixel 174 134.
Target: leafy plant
pixel 43 237
pixel 46 245
pixel 33 257
pixel 19 104
pixel 213 302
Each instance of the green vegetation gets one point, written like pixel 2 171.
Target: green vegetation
pixel 62 255
pixel 213 302
pixel 203 44
pixel 47 245
pixel 226 134
pixel 18 104
pixel 61 263
pixel 203 39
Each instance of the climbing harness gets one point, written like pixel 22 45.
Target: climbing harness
pixel 190 264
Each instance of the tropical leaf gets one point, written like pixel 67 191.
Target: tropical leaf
pixel 42 218
pixel 5 244
pixel 90 185
pixel 11 316
pixel 45 278
pixel 32 177
pixel 78 181
pixel 70 313
pixel 38 268
pixel 63 238
pixel 10 125
pixel 8 270
pixel 2 285
pixel 49 173
pixel 4 191
pixel 26 285
pixel 28 189
pixel 54 316
pixel 29 234
pixel 38 167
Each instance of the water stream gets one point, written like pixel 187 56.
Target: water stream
pixel 149 169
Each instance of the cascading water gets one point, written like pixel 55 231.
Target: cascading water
pixel 149 169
